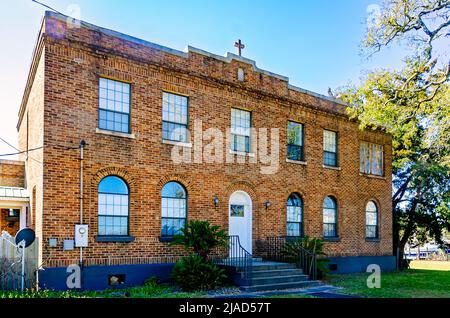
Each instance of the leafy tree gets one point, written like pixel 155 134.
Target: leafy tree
pixel 413 105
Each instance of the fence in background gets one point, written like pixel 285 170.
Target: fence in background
pixel 11 264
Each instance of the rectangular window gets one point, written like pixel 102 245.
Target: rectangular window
pixel 330 148
pixel 240 130
pixel 371 158
pixel 175 117
pixel 173 216
pixel 295 141
pixel 294 221
pixel 114 106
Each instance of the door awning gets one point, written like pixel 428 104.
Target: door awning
pixel 13 193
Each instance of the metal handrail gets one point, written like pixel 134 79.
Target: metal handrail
pixel 274 250
pixel 236 256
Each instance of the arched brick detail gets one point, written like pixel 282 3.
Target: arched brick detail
pixel 291 190
pixel 114 171
pixel 185 181
pixel 242 185
pixel 377 203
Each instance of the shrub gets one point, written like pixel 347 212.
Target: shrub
pixel 195 273
pixel 151 281
pixel 291 251
pixel 201 237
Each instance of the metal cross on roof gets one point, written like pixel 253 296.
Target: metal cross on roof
pixel 239 46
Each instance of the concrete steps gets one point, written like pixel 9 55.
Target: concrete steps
pixel 281 286
pixel 277 272
pixel 268 276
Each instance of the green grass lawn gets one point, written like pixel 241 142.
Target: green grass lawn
pixel 416 283
pixel 148 291
pixel 411 283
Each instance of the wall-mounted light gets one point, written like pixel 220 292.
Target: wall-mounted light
pixel 216 201
pixel 267 204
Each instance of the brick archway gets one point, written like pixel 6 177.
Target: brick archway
pixel 114 171
pixel 183 180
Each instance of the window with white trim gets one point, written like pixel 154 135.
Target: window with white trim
pixel 175 117
pixel 240 130
pixel 114 106
pixel 330 148
pixel 371 220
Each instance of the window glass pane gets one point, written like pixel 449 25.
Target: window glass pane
pixel 175 119
pixel 295 134
pixel 293 229
pixel 329 217
pixel 240 130
pixel 364 155
pixel 329 203
pixel 376 159
pixel 371 158
pixel 114 109
pixel 330 158
pixel 175 132
pixel 295 152
pixel 173 209
pixel 113 206
pixel 173 190
pixel 371 220
pixel 329 141
pixel 371 206
pixel 113 184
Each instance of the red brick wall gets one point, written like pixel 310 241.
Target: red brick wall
pixel 74 60
pixel 12 173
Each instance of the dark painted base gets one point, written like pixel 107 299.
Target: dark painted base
pixel 99 277
pixel 359 264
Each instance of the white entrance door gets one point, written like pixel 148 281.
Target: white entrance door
pixel 240 218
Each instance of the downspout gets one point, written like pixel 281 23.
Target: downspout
pixel 82 144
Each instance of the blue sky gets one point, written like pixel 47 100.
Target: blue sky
pixel 316 43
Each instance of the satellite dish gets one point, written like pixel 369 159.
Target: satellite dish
pixel 26 235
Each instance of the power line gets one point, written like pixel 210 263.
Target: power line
pixel 17 150
pixel 8 143
pixel 63 147
pixel 20 152
pixel 46 6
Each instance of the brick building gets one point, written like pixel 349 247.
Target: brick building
pixel 133 102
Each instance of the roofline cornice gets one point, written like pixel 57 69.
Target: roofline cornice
pixel 36 56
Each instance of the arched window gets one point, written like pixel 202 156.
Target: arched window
pixel 174 208
pixel 294 215
pixel 371 220
pixel 113 207
pixel 329 217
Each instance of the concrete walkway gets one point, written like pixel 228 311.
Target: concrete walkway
pixel 325 291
